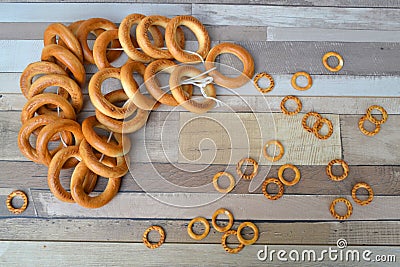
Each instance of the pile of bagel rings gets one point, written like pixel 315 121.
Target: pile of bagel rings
pixel 52 116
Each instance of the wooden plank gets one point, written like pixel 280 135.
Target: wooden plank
pixel 381 149
pixel 243 206
pixel 229 137
pixel 87 253
pixel 56 12
pixel 307 17
pixel 333 35
pixel 384 233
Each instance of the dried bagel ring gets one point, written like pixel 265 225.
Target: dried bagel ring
pixel 264 75
pixel 206 228
pixel 348 205
pixel 265 189
pixel 273 158
pixel 124 35
pixel 182 97
pixel 370 193
pixel 62 81
pixel 226 247
pixel 98 99
pixel 294 81
pixel 318 125
pixel 82 197
pixel 151 81
pixel 108 149
pixel 66 35
pixel 305 118
pixel 199 31
pixel 145 43
pixel 127 125
pixel 298 102
pixel 31 125
pixel 37 68
pixel 338 67
pixel 344 166
pixel 296 171
pixel 93 163
pixel 53 174
pixel 214 220
pixel 131 87
pixel 243 240
pixel 49 130
pixel 243 175
pixel 160 230
pixel 242 54
pixel 90 25
pixel 372 119
pixel 10 197
pixel 365 131
pixel 231 182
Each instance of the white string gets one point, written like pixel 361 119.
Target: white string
pixel 108 141
pixel 58 114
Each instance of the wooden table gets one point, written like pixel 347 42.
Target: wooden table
pixel 170 178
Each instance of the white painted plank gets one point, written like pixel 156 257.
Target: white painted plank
pixel 333 35
pixel 313 17
pixel 243 207
pixel 62 12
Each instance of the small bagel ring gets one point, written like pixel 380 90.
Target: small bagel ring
pixel 225 246
pixel 370 193
pixel 318 125
pixel 296 171
pixel 10 197
pixel 231 182
pixel 273 158
pixel 372 119
pixel 264 75
pixel 273 181
pixel 365 131
pixel 242 54
pixel 304 120
pixel 199 31
pixel 296 99
pixel 206 228
pixel 243 240
pixel 294 81
pixel 214 220
pixel 335 214
pixel 160 230
pixel 336 55
pixel 344 166
pixel 243 175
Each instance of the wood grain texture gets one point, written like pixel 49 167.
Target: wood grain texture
pixel 384 233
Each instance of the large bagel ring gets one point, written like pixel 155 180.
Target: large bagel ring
pixel 108 149
pixel 81 196
pixel 181 96
pixel 144 41
pixel 98 99
pixel 242 54
pixel 131 87
pixel 68 59
pixel 126 42
pixel 66 35
pixel 126 126
pixel 150 80
pixel 199 31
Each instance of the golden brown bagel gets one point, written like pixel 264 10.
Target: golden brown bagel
pixel 64 33
pixel 242 54
pixel 67 58
pixel 180 95
pixel 124 35
pixel 100 48
pixel 199 31
pixel 131 87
